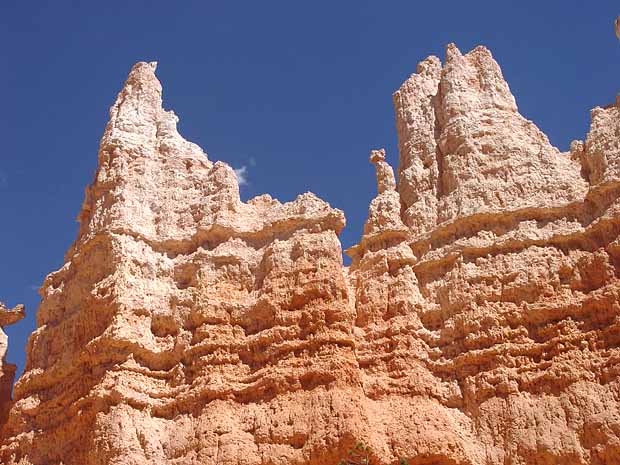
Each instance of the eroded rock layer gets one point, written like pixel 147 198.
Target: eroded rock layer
pixel 478 324
pixel 7 370
pixel 494 323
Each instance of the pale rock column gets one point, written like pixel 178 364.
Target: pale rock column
pixel 384 210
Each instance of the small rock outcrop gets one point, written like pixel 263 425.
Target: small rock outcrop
pixel 7 370
pixel 478 323
pixel 384 211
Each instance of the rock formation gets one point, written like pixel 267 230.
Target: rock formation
pixel 186 326
pixel 495 323
pixel 7 370
pixel 478 324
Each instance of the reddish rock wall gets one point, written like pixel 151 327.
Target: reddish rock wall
pixel 478 324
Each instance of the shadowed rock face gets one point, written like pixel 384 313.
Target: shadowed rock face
pixel 478 324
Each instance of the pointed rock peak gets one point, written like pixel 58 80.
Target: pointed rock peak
pixel 423 81
pixel 489 72
pixel 143 74
pixel 479 54
pixel 452 53
pixel 481 51
pixel 454 143
pixel 139 126
pixel 140 99
pixel 431 66
pixel 141 148
pixel 136 112
pixel 142 83
pixel 474 80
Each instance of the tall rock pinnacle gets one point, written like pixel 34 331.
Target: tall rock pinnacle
pixel 177 306
pixel 478 323
pixel 492 319
pixel 465 149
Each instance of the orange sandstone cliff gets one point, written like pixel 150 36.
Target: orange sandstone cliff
pixel 478 323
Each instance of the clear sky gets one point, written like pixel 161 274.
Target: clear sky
pixel 297 92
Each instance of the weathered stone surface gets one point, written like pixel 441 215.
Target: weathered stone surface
pixel 186 326
pixel 7 370
pixel 465 149
pixel 384 211
pixel 496 321
pixel 478 324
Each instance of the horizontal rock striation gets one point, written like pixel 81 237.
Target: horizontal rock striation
pixel 184 319
pixel 495 322
pixel 7 370
pixel 478 324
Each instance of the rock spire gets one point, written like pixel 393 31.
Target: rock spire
pixel 478 323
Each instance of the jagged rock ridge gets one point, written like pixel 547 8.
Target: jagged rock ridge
pixel 478 323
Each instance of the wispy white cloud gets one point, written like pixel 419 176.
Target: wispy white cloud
pixel 242 175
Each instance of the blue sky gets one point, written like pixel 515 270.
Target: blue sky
pixel 293 93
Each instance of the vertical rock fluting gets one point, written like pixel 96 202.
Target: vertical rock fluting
pixel 496 320
pixel 7 370
pixel 465 149
pixel 478 324
pixel 186 326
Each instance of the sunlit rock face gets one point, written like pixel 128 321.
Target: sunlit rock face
pixel 489 333
pixel 7 370
pixel 186 326
pixel 478 323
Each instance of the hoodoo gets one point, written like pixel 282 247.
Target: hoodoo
pixel 478 323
